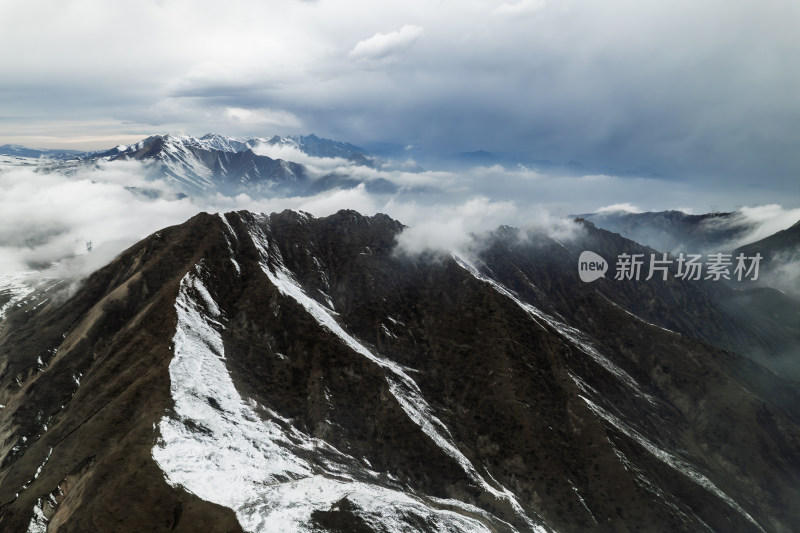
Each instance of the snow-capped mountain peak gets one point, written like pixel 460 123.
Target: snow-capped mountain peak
pixel 212 163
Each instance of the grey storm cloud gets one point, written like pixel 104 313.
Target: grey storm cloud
pixel 702 90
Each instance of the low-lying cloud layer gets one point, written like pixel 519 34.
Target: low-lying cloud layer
pixel 68 226
pixel 761 222
pixel 47 218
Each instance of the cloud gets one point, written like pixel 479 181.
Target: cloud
pixel 47 219
pixel 756 222
pixel 619 208
pixel 783 273
pixel 439 228
pixel 53 217
pixel 332 201
pixel 768 219
pixel 542 222
pixel 523 7
pixel 699 94
pixel 382 47
pixel 317 165
pixel 461 227
pixel 403 173
pixel 263 117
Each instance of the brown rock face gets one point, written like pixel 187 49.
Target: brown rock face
pixel 285 373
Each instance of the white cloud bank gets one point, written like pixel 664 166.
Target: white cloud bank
pixel 263 117
pixel 448 227
pixel 287 152
pixel 47 219
pixel 382 47
pixel 619 208
pixel 765 220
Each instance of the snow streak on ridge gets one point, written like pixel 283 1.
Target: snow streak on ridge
pixel 402 386
pixel 216 446
pixel 577 338
pixel 675 463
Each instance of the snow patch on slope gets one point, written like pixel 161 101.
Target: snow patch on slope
pixel 38 523
pixel 216 446
pixel 16 288
pixel 684 513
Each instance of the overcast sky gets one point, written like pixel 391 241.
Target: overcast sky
pixel 695 90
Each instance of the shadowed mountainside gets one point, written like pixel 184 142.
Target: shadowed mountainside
pixel 289 373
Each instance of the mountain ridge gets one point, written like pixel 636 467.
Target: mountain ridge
pixel 674 231
pixel 199 167
pixel 465 384
pixel 215 163
pixel 37 153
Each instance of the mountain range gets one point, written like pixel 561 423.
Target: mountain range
pixel 215 163
pixel 206 165
pixel 247 372
pixel 281 372
pixel 36 153
pixel 768 308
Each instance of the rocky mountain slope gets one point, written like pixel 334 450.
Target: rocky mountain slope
pixel 674 231
pixel 285 373
pixel 213 164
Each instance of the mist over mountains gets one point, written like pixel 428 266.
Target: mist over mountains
pixel 768 230
pixel 115 197
pixel 437 367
